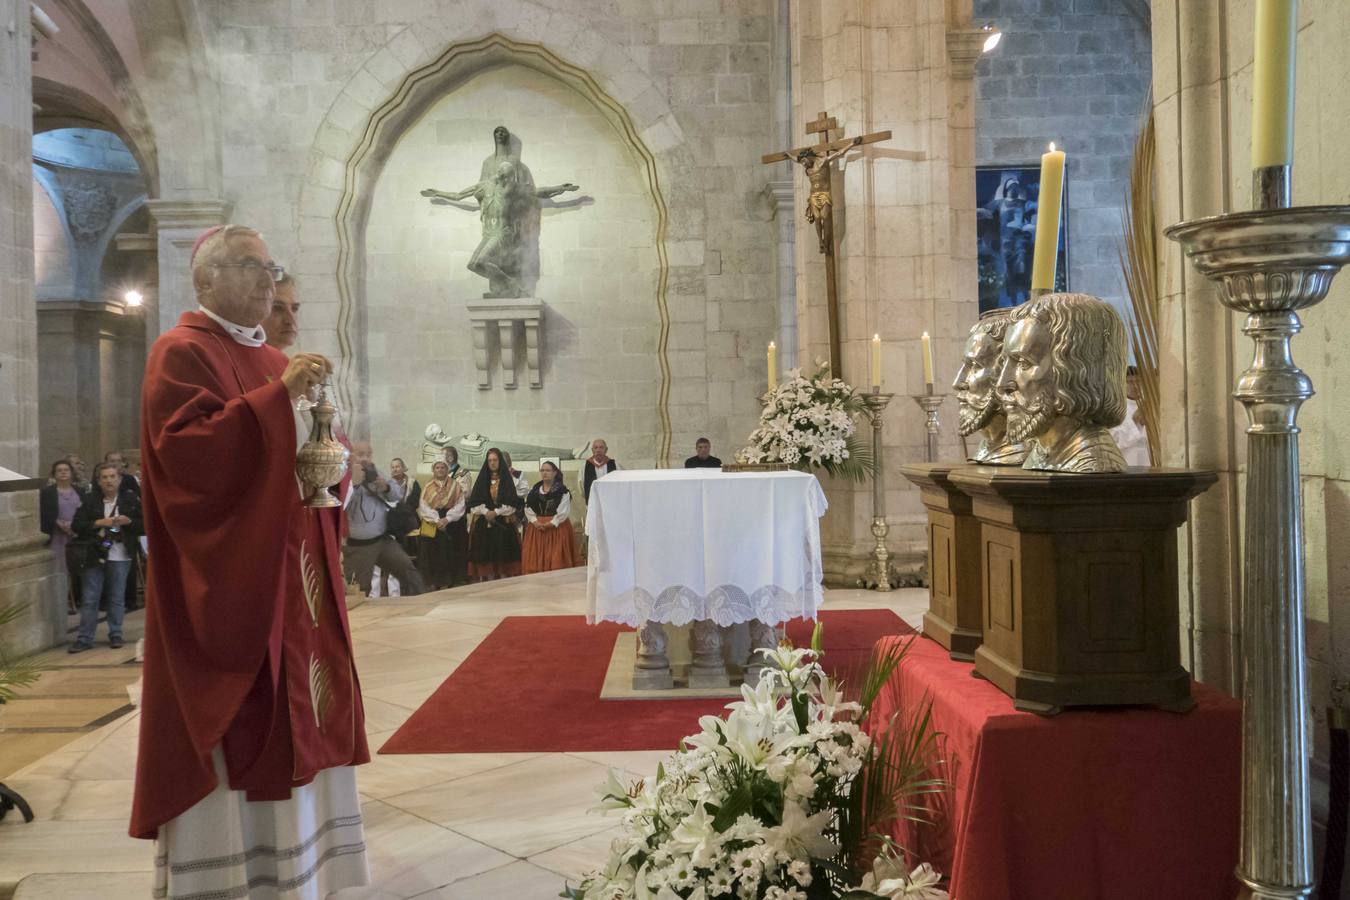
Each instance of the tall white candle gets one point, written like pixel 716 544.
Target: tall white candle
pixel 1047 220
pixel 876 361
pixel 1273 83
pixel 773 366
pixel 927 359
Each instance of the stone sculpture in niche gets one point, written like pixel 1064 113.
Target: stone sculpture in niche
pixel 1062 384
pixel 508 201
pixel 977 395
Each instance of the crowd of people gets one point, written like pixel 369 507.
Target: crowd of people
pixel 462 526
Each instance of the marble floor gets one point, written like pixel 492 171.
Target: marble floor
pixel 439 827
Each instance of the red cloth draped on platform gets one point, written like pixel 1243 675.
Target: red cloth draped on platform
pixel 1086 805
pixel 247 643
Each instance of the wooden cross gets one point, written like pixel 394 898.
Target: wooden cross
pixel 817 161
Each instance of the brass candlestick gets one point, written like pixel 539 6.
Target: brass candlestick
pixel 1270 263
pixel 322 461
pixel 930 403
pixel 878 575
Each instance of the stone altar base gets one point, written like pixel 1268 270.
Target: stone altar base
pixel 622 683
pixel 1079 584
pixel 701 659
pixel 955 617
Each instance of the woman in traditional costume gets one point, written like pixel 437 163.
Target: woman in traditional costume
pixel 459 531
pixel 441 509
pixel 494 544
pixel 549 539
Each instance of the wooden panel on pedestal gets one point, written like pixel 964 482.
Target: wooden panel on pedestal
pixel 954 616
pixel 1079 576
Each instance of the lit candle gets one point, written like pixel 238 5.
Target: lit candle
pixel 876 361
pixel 927 359
pixel 1047 221
pixel 1273 83
pixel 773 366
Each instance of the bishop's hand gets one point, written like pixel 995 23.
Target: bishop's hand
pixel 305 371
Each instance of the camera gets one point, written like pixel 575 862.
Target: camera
pixel 369 473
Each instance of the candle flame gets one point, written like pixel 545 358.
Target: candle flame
pixel 770 345
pixel 1052 146
pixel 925 334
pixel 876 337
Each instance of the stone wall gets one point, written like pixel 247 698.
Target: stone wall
pixel 1203 114
pixel 693 77
pixel 27 574
pixel 1077 74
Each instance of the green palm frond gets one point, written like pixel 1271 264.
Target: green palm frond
pixel 902 772
pixel 881 664
pixel 16 674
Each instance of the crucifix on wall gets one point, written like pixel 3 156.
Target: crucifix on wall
pixel 817 162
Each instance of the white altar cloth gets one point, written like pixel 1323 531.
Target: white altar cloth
pixel 679 545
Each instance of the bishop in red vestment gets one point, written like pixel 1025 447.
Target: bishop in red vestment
pixel 248 661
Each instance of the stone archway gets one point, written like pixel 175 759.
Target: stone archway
pixel 357 136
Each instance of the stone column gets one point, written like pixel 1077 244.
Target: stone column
pixel 177 224
pixel 1200 422
pixel 905 222
pixel 28 573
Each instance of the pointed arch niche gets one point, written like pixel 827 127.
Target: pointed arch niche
pixel 402 324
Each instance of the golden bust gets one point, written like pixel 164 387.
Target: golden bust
pixel 1062 384
pixel 976 394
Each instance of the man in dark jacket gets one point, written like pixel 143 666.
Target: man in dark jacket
pixel 703 458
pixel 109 524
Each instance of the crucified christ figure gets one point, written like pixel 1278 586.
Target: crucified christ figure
pixel 506 197
pixel 820 201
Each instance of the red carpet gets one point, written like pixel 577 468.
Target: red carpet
pixel 533 685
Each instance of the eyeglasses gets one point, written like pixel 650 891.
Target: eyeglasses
pixel 252 266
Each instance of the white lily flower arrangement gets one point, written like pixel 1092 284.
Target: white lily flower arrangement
pixel 787 798
pixel 809 423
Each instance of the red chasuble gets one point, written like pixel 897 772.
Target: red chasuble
pixel 247 645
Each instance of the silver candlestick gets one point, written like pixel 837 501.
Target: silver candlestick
pixel 930 402
pixel 878 574
pixel 1270 263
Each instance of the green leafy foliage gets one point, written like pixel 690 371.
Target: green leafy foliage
pixel 16 674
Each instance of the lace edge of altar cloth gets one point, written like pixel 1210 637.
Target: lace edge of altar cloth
pixel 725 605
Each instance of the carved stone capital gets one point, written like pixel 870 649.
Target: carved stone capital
pixel 964 46
pixel 783 195
pixel 174 214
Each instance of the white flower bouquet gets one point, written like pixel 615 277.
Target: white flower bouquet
pixel 785 799
pixel 808 423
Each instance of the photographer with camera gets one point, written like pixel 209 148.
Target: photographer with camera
pixel 370 535
pixel 108 527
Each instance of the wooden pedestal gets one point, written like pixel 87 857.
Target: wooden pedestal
pixel 955 616
pixel 1079 584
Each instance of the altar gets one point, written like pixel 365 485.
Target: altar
pixel 704 548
